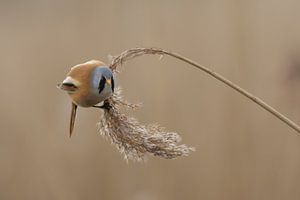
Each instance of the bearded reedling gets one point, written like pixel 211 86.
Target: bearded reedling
pixel 88 84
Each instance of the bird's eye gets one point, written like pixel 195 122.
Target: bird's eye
pixel 101 84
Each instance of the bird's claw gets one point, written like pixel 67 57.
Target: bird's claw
pixel 105 106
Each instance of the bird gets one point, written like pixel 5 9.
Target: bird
pixel 88 84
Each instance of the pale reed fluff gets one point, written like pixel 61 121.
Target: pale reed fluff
pixel 135 140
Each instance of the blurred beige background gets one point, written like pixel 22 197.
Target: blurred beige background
pixel 242 151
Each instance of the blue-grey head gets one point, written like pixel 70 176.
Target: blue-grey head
pixel 102 83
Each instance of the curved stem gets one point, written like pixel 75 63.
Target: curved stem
pixel 131 53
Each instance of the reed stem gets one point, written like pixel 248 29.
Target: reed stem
pixel 135 52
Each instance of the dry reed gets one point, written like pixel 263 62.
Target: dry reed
pixel 135 140
pixel 135 52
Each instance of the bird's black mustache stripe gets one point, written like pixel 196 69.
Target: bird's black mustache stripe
pixel 101 84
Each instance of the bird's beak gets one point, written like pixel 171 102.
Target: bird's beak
pixel 108 81
pixel 73 116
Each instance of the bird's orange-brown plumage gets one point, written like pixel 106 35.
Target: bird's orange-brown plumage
pixel 82 73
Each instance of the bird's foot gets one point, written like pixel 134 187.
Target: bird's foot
pixel 105 106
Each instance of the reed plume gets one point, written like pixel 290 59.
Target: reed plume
pixel 135 140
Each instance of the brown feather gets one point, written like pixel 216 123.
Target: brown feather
pixel 73 116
